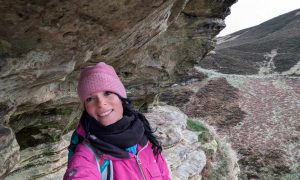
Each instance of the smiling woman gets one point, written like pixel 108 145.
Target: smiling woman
pixel 112 141
pixel 105 107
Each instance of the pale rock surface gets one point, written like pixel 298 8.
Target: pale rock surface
pixel 182 151
pixel 43 45
pixel 45 161
pixel 9 150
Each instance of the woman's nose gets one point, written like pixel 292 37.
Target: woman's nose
pixel 101 102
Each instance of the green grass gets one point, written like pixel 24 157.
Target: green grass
pixel 195 126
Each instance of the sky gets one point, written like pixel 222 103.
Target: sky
pixel 248 13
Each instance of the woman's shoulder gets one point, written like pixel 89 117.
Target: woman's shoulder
pixel 83 151
pixel 82 164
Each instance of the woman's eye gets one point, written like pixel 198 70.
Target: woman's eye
pixel 107 93
pixel 89 99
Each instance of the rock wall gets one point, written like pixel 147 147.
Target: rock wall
pixel 43 45
pixel 192 147
pixel 9 150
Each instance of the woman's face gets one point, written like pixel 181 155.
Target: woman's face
pixel 106 107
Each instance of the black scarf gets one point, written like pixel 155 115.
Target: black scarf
pixel 115 138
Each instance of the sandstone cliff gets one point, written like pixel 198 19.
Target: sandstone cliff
pixel 43 44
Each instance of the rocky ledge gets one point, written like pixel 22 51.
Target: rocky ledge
pixel 43 45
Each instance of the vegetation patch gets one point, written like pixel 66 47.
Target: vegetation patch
pixel 5 48
pixel 195 125
pixel 25 44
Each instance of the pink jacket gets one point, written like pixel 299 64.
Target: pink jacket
pixel 83 165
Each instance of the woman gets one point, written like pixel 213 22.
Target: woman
pixel 112 141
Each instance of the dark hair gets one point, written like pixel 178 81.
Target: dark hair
pixel 149 132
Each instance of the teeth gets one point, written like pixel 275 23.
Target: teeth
pixel 105 113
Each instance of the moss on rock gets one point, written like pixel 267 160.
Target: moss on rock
pixel 5 48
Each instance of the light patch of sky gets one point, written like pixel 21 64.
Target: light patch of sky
pixel 248 13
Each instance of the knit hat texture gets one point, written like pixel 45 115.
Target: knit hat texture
pixel 101 77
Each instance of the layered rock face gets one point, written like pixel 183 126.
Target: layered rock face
pixel 44 44
pixel 9 150
pixel 192 148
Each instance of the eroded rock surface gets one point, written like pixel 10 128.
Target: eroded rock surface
pixel 182 148
pixel 45 161
pixel 192 152
pixel 43 45
pixel 9 150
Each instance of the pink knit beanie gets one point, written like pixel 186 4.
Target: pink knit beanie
pixel 101 77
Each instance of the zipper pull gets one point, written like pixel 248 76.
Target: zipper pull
pixel 140 166
pixel 138 160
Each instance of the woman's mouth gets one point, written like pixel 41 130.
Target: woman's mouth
pixel 106 113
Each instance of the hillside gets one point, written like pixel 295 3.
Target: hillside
pixel 272 47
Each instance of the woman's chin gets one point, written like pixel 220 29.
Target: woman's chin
pixel 106 121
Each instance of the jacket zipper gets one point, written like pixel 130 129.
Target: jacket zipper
pixel 139 162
